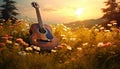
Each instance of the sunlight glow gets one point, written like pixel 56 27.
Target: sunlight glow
pixel 79 12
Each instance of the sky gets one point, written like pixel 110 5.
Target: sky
pixel 62 11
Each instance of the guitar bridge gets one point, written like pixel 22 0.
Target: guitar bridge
pixel 40 40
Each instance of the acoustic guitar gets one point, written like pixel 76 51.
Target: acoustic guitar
pixel 41 34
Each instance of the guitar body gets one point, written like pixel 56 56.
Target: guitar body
pixel 41 34
pixel 43 40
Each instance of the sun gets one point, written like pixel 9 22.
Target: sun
pixel 79 12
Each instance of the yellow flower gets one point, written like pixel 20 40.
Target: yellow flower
pixel 79 48
pixel 84 44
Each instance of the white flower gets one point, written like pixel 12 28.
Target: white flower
pixel 53 50
pixel 114 23
pixel 36 48
pixel 107 30
pixel 79 48
pixel 97 30
pixel 101 28
pixel 22 53
pixel 16 44
pixel 100 44
pixel 73 39
pixel 69 47
pixel 28 49
pixel 109 24
pixel 84 44
pixel 8 41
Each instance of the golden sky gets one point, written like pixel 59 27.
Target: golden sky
pixel 63 11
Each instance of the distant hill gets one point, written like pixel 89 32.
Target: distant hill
pixel 87 23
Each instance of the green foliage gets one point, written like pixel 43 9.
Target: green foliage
pixel 112 12
pixel 8 9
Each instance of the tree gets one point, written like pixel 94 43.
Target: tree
pixel 112 12
pixel 8 9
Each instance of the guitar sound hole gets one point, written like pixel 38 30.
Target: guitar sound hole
pixel 42 30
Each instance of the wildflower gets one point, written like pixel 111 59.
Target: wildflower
pixel 63 44
pixel 16 44
pixel 8 42
pixel 1 27
pixel 20 40
pixel 4 38
pixel 6 35
pixel 100 44
pixel 108 44
pixel 107 30
pixel 64 38
pixel 2 44
pixel 36 48
pixel 28 49
pixel 59 46
pixel 97 30
pixel 62 35
pixel 69 47
pixel 102 28
pixel 79 48
pixel 109 25
pixel 66 62
pixel 84 44
pixel 25 44
pixel 114 23
pixel 72 39
pixel 53 50
pixel 22 53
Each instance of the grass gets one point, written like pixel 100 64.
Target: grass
pixel 79 48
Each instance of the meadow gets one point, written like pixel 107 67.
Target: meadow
pixel 79 48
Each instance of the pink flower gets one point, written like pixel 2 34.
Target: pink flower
pixel 108 44
pixel 4 38
pixel 25 44
pixel 19 40
pixel 5 35
pixel 2 44
pixel 1 27
pixel 101 44
pixel 60 47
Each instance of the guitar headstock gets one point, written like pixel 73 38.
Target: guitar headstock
pixel 35 4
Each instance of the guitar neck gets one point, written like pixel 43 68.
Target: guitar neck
pixel 39 17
